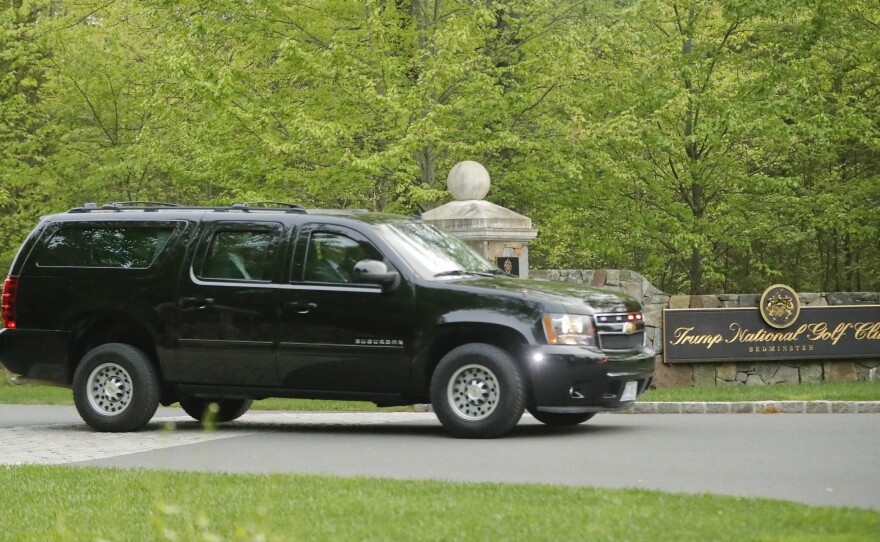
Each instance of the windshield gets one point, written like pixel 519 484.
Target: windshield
pixel 433 253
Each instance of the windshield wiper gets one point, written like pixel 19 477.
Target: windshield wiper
pixel 452 273
pixel 462 272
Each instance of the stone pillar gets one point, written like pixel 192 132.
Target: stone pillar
pixel 499 234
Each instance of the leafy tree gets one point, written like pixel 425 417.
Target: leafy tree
pixel 26 134
pixel 711 145
pixel 352 103
pixel 692 115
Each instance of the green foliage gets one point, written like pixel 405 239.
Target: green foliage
pixel 25 130
pixel 708 145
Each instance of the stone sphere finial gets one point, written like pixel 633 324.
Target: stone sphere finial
pixel 468 180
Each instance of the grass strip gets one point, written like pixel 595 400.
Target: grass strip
pixel 53 503
pixel 322 405
pixel 825 391
pixel 27 394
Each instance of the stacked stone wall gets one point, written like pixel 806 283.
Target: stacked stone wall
pixel 723 373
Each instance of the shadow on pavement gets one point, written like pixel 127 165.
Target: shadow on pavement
pixel 525 429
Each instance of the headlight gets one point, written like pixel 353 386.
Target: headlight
pixel 569 329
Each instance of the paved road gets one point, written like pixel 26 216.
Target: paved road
pixel 815 459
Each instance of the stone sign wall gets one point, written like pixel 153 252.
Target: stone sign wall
pixel 723 373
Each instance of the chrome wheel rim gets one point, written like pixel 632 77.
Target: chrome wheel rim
pixel 109 389
pixel 473 392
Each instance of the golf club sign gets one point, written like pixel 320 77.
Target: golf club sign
pixel 779 328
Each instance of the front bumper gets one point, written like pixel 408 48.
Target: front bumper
pixel 573 379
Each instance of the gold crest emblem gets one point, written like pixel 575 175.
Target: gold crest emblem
pixel 779 306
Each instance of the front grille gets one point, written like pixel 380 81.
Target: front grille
pixel 620 331
pixel 621 342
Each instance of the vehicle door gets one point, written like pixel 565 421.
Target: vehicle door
pixel 226 306
pixel 335 333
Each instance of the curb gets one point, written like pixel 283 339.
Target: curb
pixel 754 407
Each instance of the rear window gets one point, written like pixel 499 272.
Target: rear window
pixel 120 247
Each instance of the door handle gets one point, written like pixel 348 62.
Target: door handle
pixel 196 302
pixel 301 307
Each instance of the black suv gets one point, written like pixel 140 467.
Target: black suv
pixel 133 305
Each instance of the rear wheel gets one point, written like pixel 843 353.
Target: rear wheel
pixel 225 410
pixel 478 391
pixel 116 388
pixel 557 419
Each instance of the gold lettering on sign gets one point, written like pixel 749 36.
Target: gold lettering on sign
pixel 683 336
pixel 799 339
pixel 743 335
pixel 820 332
pixel 784 348
pixel 867 330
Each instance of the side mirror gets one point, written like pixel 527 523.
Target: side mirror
pixel 376 272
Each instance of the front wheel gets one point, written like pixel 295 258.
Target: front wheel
pixel 478 391
pixel 116 388
pixel 557 419
pixel 225 410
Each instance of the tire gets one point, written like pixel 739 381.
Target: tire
pixel 227 409
pixel 556 419
pixel 478 391
pixel 116 388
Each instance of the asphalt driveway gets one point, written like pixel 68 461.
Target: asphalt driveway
pixel 811 458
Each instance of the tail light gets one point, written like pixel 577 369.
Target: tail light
pixel 10 292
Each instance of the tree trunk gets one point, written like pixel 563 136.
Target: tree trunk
pixel 695 263
pixel 427 166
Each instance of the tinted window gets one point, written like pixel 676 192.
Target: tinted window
pixel 134 247
pixel 238 255
pixel 331 257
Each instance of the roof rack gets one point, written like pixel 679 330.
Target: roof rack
pixel 259 205
pixel 153 206
pixel 275 203
pixel 143 204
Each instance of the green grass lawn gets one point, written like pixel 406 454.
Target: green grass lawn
pixel 66 503
pixel 28 394
pixel 827 391
pixel 10 394
pixel 830 391
pixel 321 405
